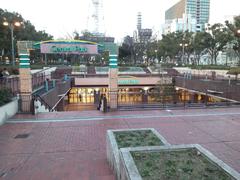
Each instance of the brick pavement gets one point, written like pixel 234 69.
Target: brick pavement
pixel 76 149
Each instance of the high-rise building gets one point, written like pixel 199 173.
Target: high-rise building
pixel 144 35
pixel 191 15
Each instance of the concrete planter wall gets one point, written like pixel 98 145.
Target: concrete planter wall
pixel 129 171
pixel 113 149
pixel 8 110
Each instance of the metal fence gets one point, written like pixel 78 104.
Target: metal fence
pixel 11 83
pixel 221 88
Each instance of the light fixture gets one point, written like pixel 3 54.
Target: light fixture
pixel 5 23
pixel 17 24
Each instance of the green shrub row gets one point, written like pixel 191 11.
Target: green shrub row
pixel 5 96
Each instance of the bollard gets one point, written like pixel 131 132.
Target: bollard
pixel 46 85
pixel 65 77
pixel 54 83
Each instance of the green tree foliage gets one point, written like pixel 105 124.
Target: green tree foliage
pixel 235 28
pixel 127 50
pixel 26 32
pixel 199 44
pixel 164 93
pixel 234 71
pixel 170 44
pixel 5 96
pixel 216 41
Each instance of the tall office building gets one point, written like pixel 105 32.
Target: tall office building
pixel 144 35
pixel 191 15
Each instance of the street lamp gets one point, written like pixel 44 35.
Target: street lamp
pixel 11 26
pixel 156 53
pixel 183 45
pixel 238 33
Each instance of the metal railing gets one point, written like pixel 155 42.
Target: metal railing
pixel 211 87
pixel 11 82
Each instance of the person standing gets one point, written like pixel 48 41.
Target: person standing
pixel 5 72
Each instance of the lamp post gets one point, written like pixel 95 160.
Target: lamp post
pixel 11 26
pixel 238 31
pixel 156 53
pixel 183 45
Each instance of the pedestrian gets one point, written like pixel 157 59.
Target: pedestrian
pixel 100 102
pixel 5 72
pixel 104 104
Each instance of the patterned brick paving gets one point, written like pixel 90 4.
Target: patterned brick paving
pixel 76 149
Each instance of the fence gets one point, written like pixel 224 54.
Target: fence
pixel 223 88
pixel 13 82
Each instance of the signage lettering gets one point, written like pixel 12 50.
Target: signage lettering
pixel 56 49
pixel 128 81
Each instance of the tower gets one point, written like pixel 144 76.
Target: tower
pixel 139 21
pixel 144 35
pixel 96 19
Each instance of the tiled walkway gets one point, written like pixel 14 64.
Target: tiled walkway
pixel 71 145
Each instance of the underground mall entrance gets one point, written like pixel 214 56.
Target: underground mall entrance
pixel 87 98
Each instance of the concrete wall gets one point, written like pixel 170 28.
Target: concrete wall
pixel 8 110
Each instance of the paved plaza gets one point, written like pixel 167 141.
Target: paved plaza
pixel 72 145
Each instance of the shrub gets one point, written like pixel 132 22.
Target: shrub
pixel 5 96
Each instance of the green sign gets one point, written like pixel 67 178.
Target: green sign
pixel 56 49
pixel 128 81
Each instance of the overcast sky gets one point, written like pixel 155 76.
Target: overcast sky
pixel 61 18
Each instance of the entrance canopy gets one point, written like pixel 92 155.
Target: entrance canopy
pixel 67 47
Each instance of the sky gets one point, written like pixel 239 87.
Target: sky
pixel 62 18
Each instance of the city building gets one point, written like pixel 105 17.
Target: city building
pixel 187 15
pixel 143 35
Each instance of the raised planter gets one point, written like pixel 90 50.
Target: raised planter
pixel 8 110
pixel 173 162
pixel 123 138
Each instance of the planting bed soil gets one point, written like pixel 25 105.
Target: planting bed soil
pixel 137 138
pixel 184 164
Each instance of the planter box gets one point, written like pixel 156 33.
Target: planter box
pixel 8 110
pixel 173 162
pixel 150 135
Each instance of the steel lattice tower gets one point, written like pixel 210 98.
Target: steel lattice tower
pixel 97 18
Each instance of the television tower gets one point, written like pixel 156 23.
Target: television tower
pixel 97 18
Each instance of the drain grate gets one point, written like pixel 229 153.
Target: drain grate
pixel 21 136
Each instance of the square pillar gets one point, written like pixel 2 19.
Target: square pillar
pixel 113 82
pixel 25 78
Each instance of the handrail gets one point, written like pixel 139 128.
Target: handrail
pixel 63 95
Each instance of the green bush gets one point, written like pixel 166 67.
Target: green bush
pixel 5 96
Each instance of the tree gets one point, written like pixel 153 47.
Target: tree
pixel 126 51
pixel 76 35
pixel 217 40
pixel 234 71
pixel 164 92
pixel 199 44
pixel 235 28
pixel 26 32
pixel 170 44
